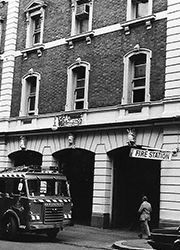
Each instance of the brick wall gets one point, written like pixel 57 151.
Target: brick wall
pixel 105 55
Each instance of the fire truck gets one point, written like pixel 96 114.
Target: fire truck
pixel 33 201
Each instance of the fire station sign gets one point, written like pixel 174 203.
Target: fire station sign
pixel 150 154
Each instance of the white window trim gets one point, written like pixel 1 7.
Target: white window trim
pixel 130 14
pixel 70 85
pixel 128 76
pixel 23 107
pixel 74 21
pixel 38 10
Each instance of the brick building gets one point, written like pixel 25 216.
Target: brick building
pixel 92 87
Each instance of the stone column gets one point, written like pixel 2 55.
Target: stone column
pixel 102 188
pixel 9 58
pixel 47 159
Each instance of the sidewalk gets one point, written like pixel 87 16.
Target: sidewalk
pixel 137 244
pixel 91 237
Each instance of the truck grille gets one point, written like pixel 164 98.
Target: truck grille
pixel 53 214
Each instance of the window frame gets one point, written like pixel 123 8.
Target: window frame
pixel 26 95
pixel 131 10
pixel 71 86
pixel 129 72
pixel 35 9
pixel 75 23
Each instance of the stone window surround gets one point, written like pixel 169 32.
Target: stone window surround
pixel 70 88
pixel 131 21
pixel 23 107
pixel 74 37
pixel 31 11
pixel 135 51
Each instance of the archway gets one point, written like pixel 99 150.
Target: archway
pixel 133 178
pixel 78 166
pixel 26 157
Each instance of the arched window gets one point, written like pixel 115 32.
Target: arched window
pixel 77 86
pixel 30 94
pixel 136 76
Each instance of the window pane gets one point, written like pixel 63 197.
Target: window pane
pixel 139 95
pixel 37 22
pixel 79 105
pixel 37 38
pixel 80 83
pixel 33 85
pixel 140 59
pixel 80 71
pixel 139 83
pixel 83 25
pixel 79 94
pixel 31 103
pixel 141 9
pixel 140 71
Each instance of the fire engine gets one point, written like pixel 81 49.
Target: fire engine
pixel 34 201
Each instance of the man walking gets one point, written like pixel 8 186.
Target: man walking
pixel 145 216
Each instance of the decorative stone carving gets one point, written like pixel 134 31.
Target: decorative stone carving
pixel 131 137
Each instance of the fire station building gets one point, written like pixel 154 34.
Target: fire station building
pixel 92 88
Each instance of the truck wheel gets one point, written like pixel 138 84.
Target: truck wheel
pixel 9 229
pixel 52 234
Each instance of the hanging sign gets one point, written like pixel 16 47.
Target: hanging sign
pixel 150 154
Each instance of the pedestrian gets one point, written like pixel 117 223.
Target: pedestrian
pixel 145 210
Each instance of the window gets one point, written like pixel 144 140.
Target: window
pixel 81 17
pixel 1 30
pixel 35 13
pixel 36 34
pixel 136 77
pixel 79 83
pixel 138 8
pixel 77 86
pixel 30 94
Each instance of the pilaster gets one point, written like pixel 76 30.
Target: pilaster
pixel 9 58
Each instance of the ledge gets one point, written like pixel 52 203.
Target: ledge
pixel 147 20
pixel 83 36
pixel 38 49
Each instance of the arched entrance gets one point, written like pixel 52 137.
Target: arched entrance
pixel 78 166
pixel 133 178
pixel 26 157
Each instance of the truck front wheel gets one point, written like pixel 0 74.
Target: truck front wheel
pixel 9 228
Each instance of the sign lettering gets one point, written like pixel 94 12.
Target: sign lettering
pixel 149 154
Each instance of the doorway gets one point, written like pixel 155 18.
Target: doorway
pixel 78 166
pixel 133 178
pixel 26 158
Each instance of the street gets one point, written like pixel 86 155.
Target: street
pixel 72 238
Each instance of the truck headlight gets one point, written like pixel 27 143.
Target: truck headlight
pixel 35 217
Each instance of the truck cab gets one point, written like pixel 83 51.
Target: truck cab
pixel 34 202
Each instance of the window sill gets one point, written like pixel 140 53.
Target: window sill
pixel 37 48
pixel 147 20
pixel 83 36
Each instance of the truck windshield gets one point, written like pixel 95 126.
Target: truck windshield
pixel 49 187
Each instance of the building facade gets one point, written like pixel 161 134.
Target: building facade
pixel 92 88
